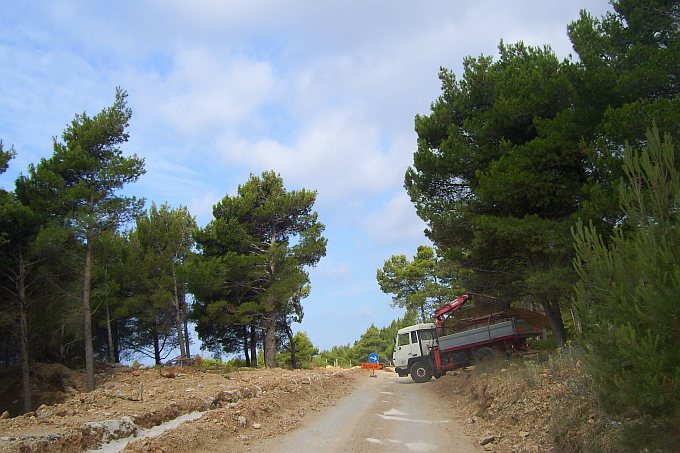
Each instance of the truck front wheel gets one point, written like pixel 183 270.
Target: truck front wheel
pixel 420 372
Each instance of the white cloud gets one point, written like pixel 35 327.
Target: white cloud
pixel 395 222
pixel 332 271
pixel 175 184
pixel 334 155
pixel 201 205
pixel 201 94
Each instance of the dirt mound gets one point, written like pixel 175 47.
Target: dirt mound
pixel 239 406
pixel 57 376
pixel 51 383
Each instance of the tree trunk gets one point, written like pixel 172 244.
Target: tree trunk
pixel 62 347
pixel 116 347
pixel 156 347
pixel 23 334
pixel 87 316
pixel 253 347
pixel 552 311
pixel 246 345
pixel 109 334
pixel 270 340
pixel 183 304
pixel 187 338
pixel 291 342
pixel 270 318
pixel 178 315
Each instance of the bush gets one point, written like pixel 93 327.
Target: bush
pixel 218 364
pixel 236 363
pixel 540 344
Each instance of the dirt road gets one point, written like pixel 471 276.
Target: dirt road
pixel 273 410
pixel 385 413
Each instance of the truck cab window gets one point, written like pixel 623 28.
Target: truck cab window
pixel 414 337
pixel 426 335
pixel 403 340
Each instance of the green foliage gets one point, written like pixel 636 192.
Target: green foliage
pixel 110 285
pixel 628 72
pixel 637 45
pixel 217 364
pixel 237 363
pixel 160 248
pixel 539 344
pixel 5 157
pixel 519 148
pixel 629 289
pixel 79 185
pixel 498 173
pixel 648 435
pixel 420 285
pixel 370 341
pixel 338 355
pixel 254 254
pixel 80 182
pixel 380 341
pixel 305 352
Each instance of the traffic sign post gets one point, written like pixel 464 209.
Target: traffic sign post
pixel 372 364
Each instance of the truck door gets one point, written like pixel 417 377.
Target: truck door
pixel 405 349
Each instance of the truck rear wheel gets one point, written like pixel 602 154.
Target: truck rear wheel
pixel 420 372
pixel 484 354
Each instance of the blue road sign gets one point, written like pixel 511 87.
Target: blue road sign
pixel 373 357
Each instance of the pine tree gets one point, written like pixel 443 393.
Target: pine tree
pixel 253 257
pixel 80 184
pixel 628 296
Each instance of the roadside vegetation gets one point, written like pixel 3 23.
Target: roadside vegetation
pixel 546 402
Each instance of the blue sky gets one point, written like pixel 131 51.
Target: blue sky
pixel 324 93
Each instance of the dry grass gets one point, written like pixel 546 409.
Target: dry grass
pixel 548 403
pixel 542 403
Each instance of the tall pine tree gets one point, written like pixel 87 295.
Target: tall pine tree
pixel 80 185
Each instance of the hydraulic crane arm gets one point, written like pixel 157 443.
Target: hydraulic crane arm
pixel 445 311
pixel 442 313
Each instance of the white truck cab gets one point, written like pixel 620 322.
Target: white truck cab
pixel 412 350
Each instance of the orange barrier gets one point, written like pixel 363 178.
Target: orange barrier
pixel 371 366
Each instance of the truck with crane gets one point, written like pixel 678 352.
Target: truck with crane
pixel 424 351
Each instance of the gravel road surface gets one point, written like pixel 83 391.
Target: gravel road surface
pixel 385 413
